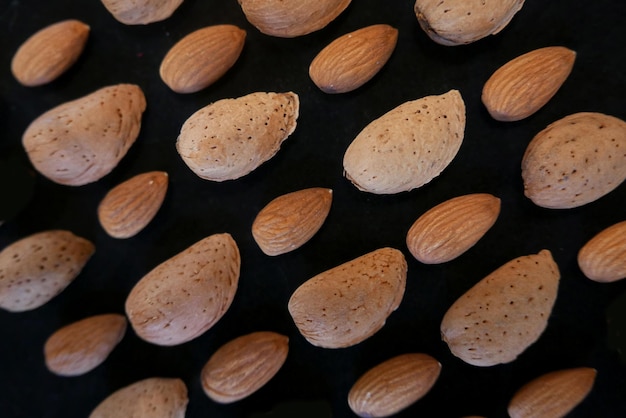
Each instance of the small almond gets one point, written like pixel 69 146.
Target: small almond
pixel 201 58
pixel 141 12
pixel 82 346
pixel 130 206
pixel 244 365
pixel 289 221
pixel 449 229
pixel 50 52
pixel 603 257
pixel 393 385
pixel 353 59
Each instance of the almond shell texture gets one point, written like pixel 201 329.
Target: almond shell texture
pixel 603 257
pixel 141 12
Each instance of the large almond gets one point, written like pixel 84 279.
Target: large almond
pixel 244 365
pixel 81 346
pixel 35 269
pixel 232 137
pixel 131 205
pixel 603 257
pixel 291 18
pixel 184 296
pixel 141 12
pixel 504 313
pixel 349 303
pixel 525 84
pixel 393 385
pixel 408 146
pixel 575 160
pixel 449 229
pixel 202 57
pixel 353 59
pixel 289 221
pixel 49 52
pixel 81 141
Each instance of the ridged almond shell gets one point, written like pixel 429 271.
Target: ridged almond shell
pixel 141 12
pixel 603 257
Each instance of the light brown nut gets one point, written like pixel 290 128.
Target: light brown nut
pixel 504 313
pixel 575 161
pixel 553 394
pixel 184 296
pixel 232 137
pixel 349 303
pixel 141 12
pixel 49 52
pixel 408 146
pixel 525 84
pixel 353 59
pixel 451 228
pixel 393 385
pixel 201 58
pixel 603 257
pixel 289 221
pixel 458 22
pixel 155 397
pixel 291 18
pixel 81 346
pixel 35 269
pixel 244 365
pixel 130 206
pixel 81 141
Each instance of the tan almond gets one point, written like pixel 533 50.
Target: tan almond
pixel 575 161
pixel 141 12
pixel 553 394
pixel 81 141
pixel 201 58
pixel 291 18
pixel 525 84
pixel 451 228
pixel 353 59
pixel 603 257
pixel 393 385
pixel 49 52
pixel 83 345
pixel 35 269
pixel 130 206
pixel 291 220
pixel 244 365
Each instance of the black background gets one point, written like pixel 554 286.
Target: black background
pixel 488 161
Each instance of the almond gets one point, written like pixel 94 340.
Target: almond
pixel 202 57
pixel 82 346
pixel 81 141
pixel 155 397
pixel 141 12
pixel 575 160
pixel 244 365
pixel 289 221
pixel 553 394
pixel 35 269
pixel 458 22
pixel 349 303
pixel 130 206
pixel 408 146
pixel 232 137
pixel 451 228
pixel 393 385
pixel 291 18
pixel 353 59
pixel 49 52
pixel 603 257
pixel 184 296
pixel 504 313
pixel 524 85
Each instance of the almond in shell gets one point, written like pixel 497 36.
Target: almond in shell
pixel 603 257
pixel 141 12
pixel 244 365
pixel 349 303
pixel 49 52
pixel 35 269
pixel 353 59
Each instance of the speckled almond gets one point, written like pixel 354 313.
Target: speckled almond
pixel 35 269
pixel 603 257
pixel 141 12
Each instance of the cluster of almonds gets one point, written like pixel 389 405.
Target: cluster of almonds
pixel 573 162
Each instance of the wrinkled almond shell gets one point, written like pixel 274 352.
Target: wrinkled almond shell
pixel 603 257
